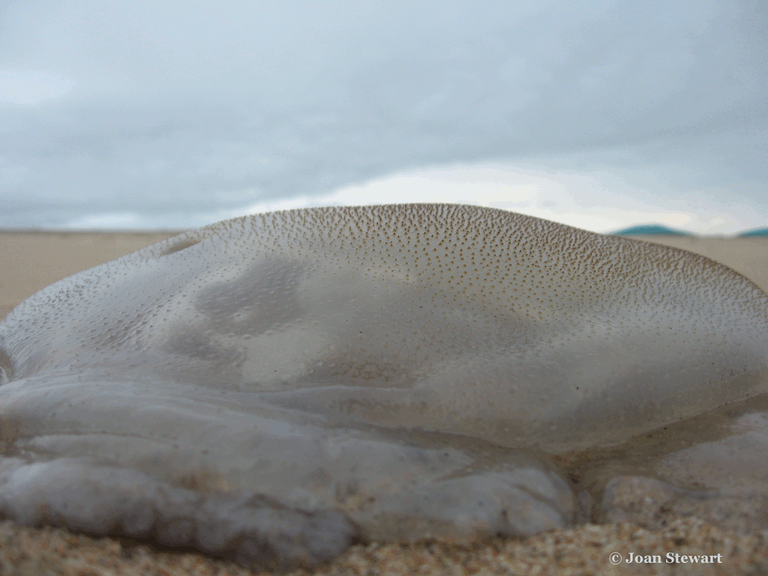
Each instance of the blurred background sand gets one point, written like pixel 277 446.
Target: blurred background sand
pixel 31 261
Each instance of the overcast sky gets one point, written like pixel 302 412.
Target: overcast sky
pixel 171 114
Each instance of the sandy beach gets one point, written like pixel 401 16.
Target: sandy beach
pixel 32 260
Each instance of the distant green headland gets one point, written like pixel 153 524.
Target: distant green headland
pixel 651 229
pixel 756 232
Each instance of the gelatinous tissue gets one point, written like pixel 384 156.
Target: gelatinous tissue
pixel 275 387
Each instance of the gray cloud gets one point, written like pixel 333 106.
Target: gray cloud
pixel 190 107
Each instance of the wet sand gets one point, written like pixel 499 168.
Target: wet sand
pixel 30 261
